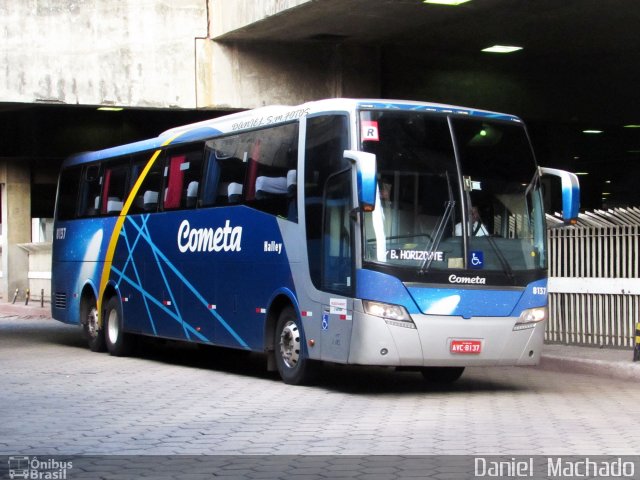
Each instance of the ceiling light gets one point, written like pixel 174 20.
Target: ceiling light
pixel 110 109
pixel 592 132
pixel 451 3
pixel 632 125
pixel 582 173
pixel 501 49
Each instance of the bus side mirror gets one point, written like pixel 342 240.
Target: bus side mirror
pixel 365 164
pixel 570 192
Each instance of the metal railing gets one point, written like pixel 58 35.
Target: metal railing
pixel 594 284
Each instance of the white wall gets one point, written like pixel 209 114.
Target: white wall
pixel 126 52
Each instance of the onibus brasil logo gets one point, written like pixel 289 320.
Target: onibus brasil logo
pixel 34 468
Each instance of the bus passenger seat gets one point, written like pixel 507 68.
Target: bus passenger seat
pixel 234 192
pixel 114 204
pixel 192 194
pixel 266 187
pixel 150 200
pixel 292 182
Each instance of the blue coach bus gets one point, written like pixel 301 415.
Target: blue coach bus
pixel 368 232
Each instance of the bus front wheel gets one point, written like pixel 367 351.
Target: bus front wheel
pixel 118 342
pixel 293 365
pixel 442 374
pixel 92 332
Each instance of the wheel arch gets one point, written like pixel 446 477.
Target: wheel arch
pixel 88 297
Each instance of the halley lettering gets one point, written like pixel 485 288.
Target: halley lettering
pixel 225 238
pixel 470 280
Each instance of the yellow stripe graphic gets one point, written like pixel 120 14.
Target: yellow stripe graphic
pixel 113 241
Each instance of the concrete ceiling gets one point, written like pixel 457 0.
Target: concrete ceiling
pixel 579 68
pixel 585 48
pixel 542 27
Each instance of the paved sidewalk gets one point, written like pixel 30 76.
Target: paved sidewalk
pixel 606 362
pixel 19 309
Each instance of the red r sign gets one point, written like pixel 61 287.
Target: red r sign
pixel 369 131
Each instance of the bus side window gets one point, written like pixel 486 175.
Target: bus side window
pixel 68 193
pixel 183 172
pixel 231 181
pixel 225 171
pixel 174 180
pixel 192 178
pixel 210 178
pixel 146 200
pixel 89 203
pixel 271 183
pixel 327 138
pixel 114 188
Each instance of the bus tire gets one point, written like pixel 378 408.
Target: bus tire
pixel 442 375
pixel 294 366
pixel 92 333
pixel 117 341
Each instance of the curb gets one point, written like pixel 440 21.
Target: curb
pixel 619 370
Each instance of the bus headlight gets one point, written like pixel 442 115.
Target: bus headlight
pixel 395 315
pixel 528 318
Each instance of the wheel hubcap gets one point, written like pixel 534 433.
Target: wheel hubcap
pixel 290 344
pixel 113 328
pixel 92 322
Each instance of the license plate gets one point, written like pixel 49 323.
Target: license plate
pixel 466 347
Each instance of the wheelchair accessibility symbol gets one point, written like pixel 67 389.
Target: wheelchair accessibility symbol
pixel 476 260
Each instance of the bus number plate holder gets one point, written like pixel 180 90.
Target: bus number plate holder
pixel 466 347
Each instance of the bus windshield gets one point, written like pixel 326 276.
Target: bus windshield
pixel 454 193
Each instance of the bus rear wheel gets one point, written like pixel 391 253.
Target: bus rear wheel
pixel 118 342
pixel 442 375
pixel 293 365
pixel 92 331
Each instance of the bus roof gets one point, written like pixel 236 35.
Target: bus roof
pixel 271 115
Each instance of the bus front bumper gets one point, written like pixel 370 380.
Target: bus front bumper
pixel 445 341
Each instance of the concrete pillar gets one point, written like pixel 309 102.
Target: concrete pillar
pixel 15 181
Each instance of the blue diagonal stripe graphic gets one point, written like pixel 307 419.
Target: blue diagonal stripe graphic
pixel 162 257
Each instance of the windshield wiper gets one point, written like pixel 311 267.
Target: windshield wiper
pixel 435 242
pixel 504 263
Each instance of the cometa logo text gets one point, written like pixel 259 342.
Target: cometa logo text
pixel 225 238
pixel 469 280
